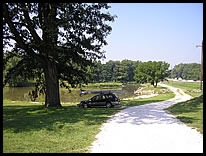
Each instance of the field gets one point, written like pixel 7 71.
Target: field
pixel 31 128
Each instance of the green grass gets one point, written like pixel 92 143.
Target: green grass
pixel 190 112
pixel 158 98
pixel 31 128
pixel 186 86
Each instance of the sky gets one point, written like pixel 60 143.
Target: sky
pixel 156 32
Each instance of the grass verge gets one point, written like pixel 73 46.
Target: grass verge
pixel 190 112
pixel 137 102
pixel 186 86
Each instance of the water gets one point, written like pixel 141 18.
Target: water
pixel 21 94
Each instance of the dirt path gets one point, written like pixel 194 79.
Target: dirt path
pixel 148 129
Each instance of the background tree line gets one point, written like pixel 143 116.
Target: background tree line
pixel 15 80
pixel 111 71
pixel 125 71
pixel 129 71
pixel 187 71
pixel 116 71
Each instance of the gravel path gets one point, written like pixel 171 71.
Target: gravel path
pixel 148 129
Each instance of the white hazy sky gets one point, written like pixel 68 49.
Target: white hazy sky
pixel 156 31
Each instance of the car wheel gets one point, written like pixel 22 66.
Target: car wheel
pixel 85 105
pixel 108 105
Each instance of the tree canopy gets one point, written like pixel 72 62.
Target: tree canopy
pixel 151 72
pixel 54 43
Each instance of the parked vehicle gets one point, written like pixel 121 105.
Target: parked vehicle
pixel 104 98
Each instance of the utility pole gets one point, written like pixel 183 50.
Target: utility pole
pixel 201 64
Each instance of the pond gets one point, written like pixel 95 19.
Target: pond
pixel 21 93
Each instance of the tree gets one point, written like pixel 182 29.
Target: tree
pixel 122 71
pixel 59 40
pixel 108 71
pixel 151 72
pixel 127 68
pixel 96 72
pixel 115 70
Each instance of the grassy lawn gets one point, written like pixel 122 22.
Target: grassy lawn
pixel 31 128
pixel 137 102
pixel 189 112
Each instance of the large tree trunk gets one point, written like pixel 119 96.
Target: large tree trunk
pixel 50 36
pixel 52 98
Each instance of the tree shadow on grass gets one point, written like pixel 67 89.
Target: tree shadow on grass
pixel 20 118
pixel 131 103
pixel 187 120
pixel 32 118
pixel 192 105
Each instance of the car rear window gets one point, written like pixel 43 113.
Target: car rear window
pixel 109 96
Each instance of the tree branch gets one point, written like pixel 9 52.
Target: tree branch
pixel 8 20
pixel 9 37
pixel 30 25
pixel 16 37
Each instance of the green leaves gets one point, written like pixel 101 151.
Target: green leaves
pixel 151 72
pixel 190 71
pixel 67 35
pixel 60 32
pixel 122 71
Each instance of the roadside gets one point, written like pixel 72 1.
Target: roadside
pixel 141 97
pixel 189 112
pixel 148 129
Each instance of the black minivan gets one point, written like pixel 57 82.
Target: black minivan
pixel 108 100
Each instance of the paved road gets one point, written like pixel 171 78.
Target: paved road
pixel 148 129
